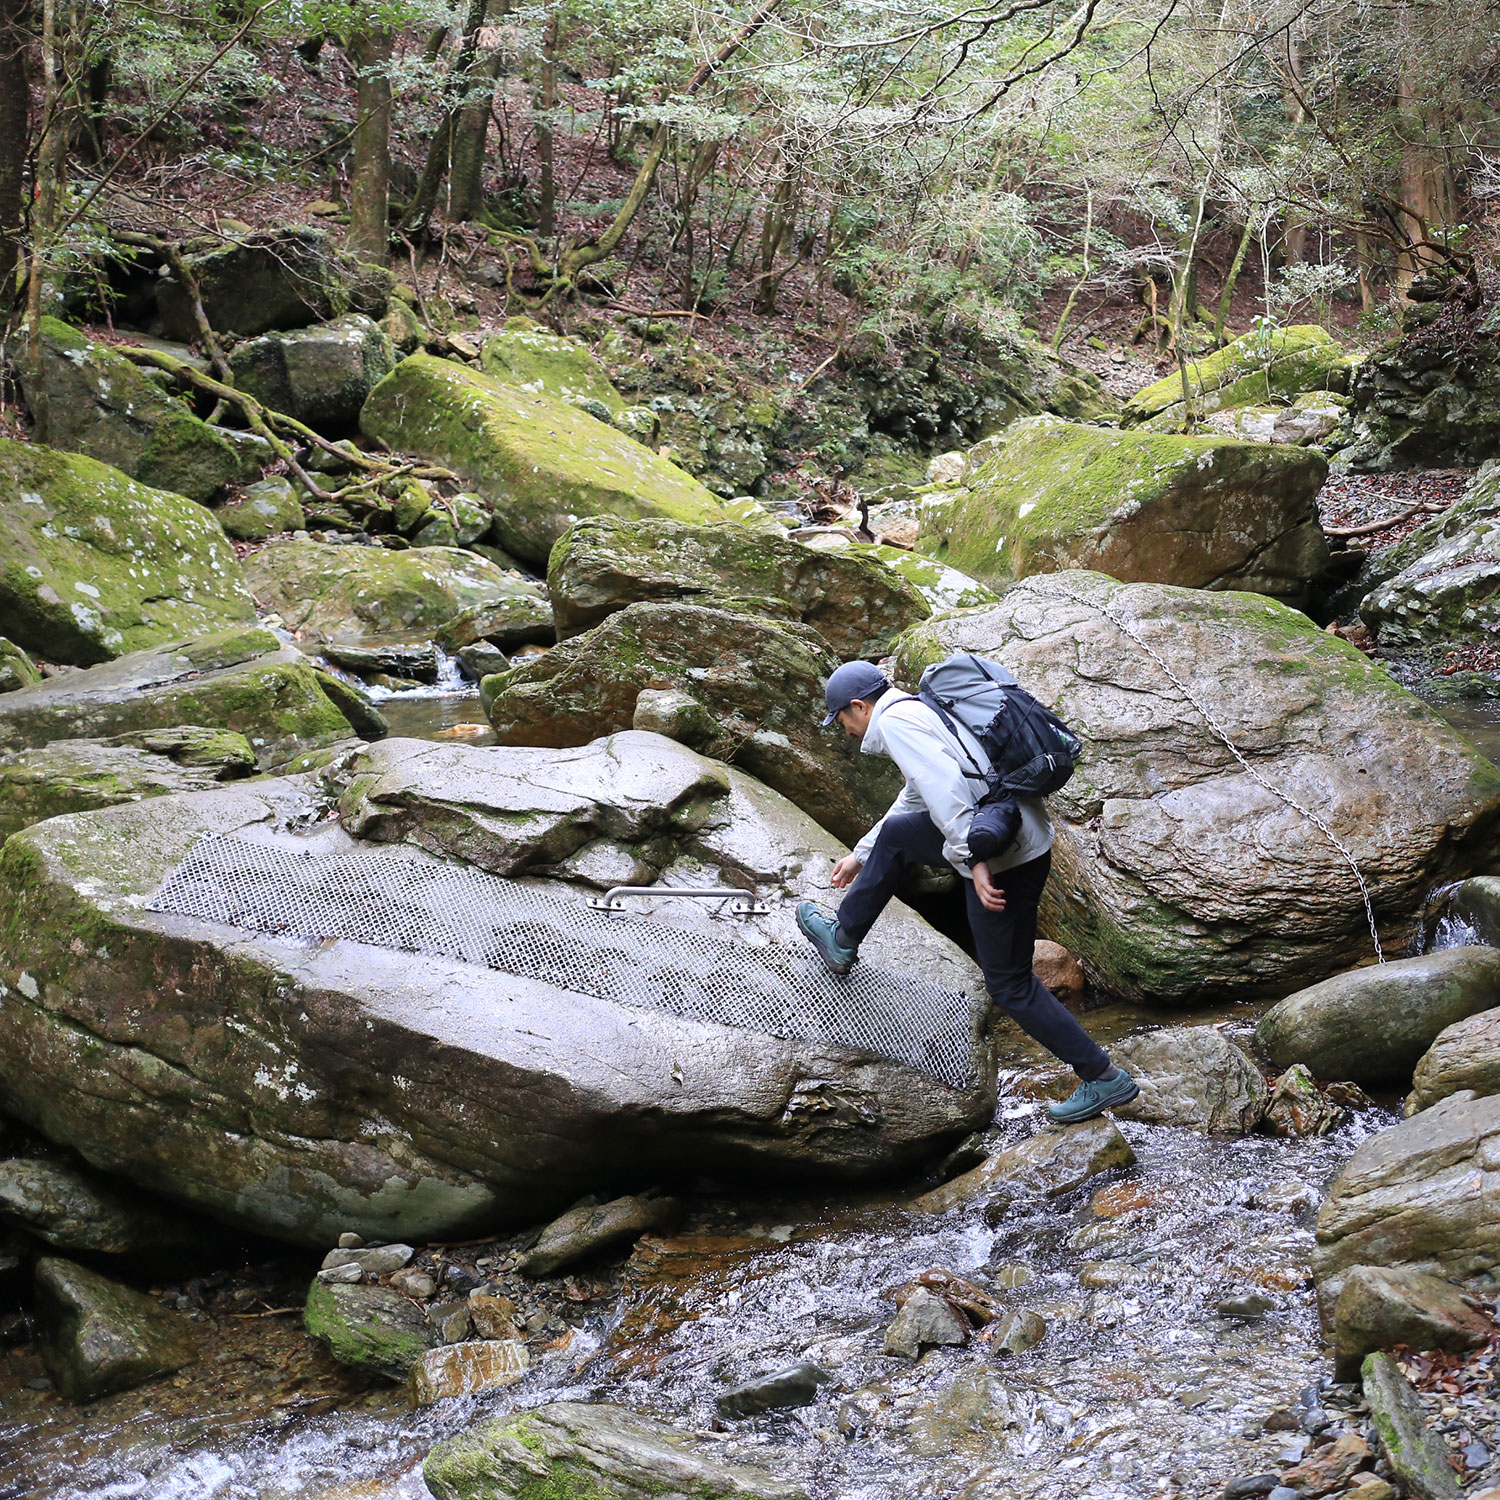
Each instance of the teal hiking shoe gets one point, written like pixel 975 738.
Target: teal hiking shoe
pixel 824 936
pixel 1093 1098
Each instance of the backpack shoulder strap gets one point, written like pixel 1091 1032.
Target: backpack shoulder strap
pixel 925 695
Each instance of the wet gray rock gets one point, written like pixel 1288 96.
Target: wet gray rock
pixel 1163 885
pixel 1381 1306
pixel 1194 1077
pixel 345 1053
pixel 1418 1456
pixel 242 680
pixel 375 1261
pixel 1465 1056
pixel 1374 1024
pixel 320 375
pixel 99 1337
pixel 602 1451
pixel 1297 1107
pixel 1420 1194
pixel 924 1321
pixel 855 603
pixel 797 1386
pixel 1018 1331
pixel 1057 1159
pixel 368 1328
pixel 592 1227
pixel 483 660
pixel 73 1209
pixel 347 1273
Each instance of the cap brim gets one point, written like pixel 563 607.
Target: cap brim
pixel 832 717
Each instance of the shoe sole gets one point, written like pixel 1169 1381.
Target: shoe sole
pixel 817 947
pixel 1093 1114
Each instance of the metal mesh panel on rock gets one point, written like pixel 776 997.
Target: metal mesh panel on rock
pixel 385 897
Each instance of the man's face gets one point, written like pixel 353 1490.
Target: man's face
pixel 855 719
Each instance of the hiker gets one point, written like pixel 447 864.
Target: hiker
pixel 929 823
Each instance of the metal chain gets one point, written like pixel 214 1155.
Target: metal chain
pixel 1127 629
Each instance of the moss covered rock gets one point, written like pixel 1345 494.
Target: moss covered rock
pixel 243 681
pixel 301 1090
pixel 261 510
pixel 103 406
pixel 77 775
pixel 363 595
pixel 527 355
pixel 1176 875
pixel 589 1452
pixel 371 1328
pixel 758 681
pixel 99 1337
pixel 276 278
pixel 542 463
pixel 1252 371
pixel 319 375
pixel 854 601
pixel 943 588
pixel 17 670
pixel 94 565
pixel 1201 512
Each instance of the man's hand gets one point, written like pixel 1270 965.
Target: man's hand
pixel 845 871
pixel 991 897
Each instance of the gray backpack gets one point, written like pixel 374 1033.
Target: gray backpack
pixel 1031 751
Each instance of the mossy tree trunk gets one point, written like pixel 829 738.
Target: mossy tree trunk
pixel 17 19
pixel 470 135
pixel 370 182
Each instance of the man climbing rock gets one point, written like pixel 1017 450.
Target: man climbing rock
pixel 927 824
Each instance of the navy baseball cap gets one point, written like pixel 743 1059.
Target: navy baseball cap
pixel 855 679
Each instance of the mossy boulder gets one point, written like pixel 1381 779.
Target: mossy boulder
pixel 527 355
pixel 1200 512
pixel 943 588
pixel 855 602
pixel 1254 370
pixel 276 278
pixel 77 775
pixel 94 565
pixel 303 1089
pixel 319 375
pixel 363 595
pixel 370 1328
pixel 573 1451
pixel 758 681
pixel 1177 875
pixel 260 510
pixel 244 681
pixel 17 670
pixel 103 406
pixel 542 463
pixel 99 1337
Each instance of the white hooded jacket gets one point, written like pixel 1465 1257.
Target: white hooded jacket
pixel 906 730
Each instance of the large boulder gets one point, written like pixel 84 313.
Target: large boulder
pixel 1379 1307
pixel 855 603
pixel 943 588
pixel 242 680
pixel 1193 1077
pixel 80 775
pixel 277 278
pixel 320 375
pixel 17 670
pixel 1421 1194
pixel 94 565
pixel 1277 365
pixel 1372 1025
pixel 1177 875
pixel 358 596
pixel 99 1337
pixel 103 406
pixel 1201 512
pixel 601 1452
pixel 305 1089
pixel 535 359
pixel 1465 1055
pixel 753 691
pixel 543 464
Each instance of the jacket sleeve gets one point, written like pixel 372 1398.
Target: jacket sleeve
pixel 918 745
pixel 906 801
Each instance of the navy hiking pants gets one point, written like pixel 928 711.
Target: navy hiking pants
pixel 1003 940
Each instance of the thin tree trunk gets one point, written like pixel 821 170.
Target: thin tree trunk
pixel 51 164
pixel 466 176
pixel 370 181
pixel 1088 230
pixel 16 21
pixel 1235 267
pixel 546 101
